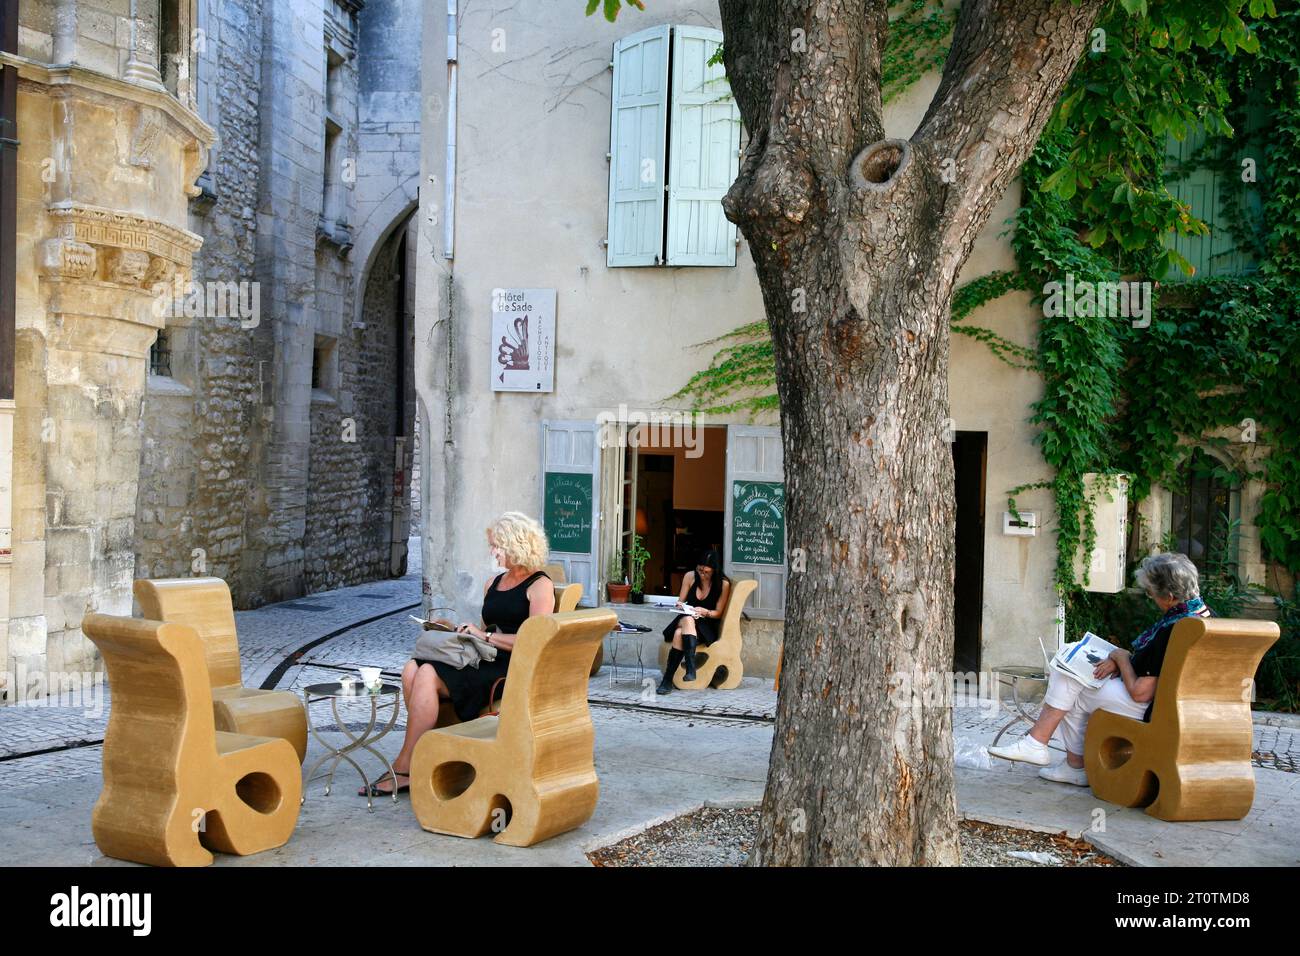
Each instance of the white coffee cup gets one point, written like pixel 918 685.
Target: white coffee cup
pixel 347 682
pixel 369 677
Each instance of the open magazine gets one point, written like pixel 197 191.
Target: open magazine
pixel 1078 660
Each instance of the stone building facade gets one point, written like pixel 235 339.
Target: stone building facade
pixel 110 145
pixel 252 423
pixel 589 159
pixel 292 415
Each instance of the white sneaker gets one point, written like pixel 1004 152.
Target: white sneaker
pixel 1064 773
pixel 1026 749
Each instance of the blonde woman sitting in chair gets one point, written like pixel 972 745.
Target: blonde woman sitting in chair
pixel 518 545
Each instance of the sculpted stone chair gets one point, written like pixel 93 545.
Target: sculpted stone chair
pixel 204 604
pixel 527 774
pixel 1192 761
pixel 718 665
pixel 175 787
pixel 564 603
pixel 567 597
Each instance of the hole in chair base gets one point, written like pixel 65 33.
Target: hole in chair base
pixel 1149 790
pixel 452 778
pixel 1115 752
pixel 499 813
pixel 719 676
pixel 259 791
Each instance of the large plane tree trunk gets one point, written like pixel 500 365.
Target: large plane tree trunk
pixel 858 240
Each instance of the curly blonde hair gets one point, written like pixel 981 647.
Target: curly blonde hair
pixel 522 539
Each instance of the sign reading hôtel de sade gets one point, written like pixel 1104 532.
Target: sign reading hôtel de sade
pixel 523 340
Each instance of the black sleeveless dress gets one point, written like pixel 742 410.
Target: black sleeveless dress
pixel 705 627
pixel 503 612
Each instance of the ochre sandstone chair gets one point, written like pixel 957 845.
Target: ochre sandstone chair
pixel 1192 761
pixel 718 665
pixel 175 787
pixel 529 773
pixel 204 604
pixel 567 597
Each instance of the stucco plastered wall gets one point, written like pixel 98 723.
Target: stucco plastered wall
pixel 531 211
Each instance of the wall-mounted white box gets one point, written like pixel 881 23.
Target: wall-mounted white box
pixel 1025 525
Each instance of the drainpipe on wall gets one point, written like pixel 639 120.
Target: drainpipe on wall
pixel 449 195
pixel 8 197
pixel 65 31
pixel 8 314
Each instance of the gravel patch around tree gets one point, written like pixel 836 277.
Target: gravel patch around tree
pixel 714 836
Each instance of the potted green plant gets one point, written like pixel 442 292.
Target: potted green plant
pixel 617 587
pixel 637 556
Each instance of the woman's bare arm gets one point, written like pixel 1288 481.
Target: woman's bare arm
pixel 688 582
pixel 722 601
pixel 1141 689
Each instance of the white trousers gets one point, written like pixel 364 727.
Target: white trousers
pixel 1078 702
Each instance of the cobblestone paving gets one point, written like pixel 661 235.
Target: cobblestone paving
pixel 269 635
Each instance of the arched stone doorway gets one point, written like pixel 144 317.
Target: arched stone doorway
pixel 358 500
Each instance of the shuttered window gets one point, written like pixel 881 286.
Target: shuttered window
pixel 674 151
pixel 1210 194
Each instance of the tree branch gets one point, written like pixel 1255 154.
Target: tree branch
pixel 1006 68
pixel 782 58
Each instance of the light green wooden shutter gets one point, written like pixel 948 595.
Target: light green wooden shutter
pixel 754 460
pixel 1205 191
pixel 704 153
pixel 570 509
pixel 638 128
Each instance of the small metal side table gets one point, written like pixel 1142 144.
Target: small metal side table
pixel 1014 675
pixel 612 639
pixel 386 695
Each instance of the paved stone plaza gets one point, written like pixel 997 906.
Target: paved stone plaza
pixel 656 757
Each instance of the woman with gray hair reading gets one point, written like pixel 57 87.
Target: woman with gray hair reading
pixel 1129 677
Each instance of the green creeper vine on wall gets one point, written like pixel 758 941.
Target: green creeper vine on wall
pixel 1220 352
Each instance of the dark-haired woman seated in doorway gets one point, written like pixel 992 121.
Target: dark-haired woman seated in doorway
pixel 704 591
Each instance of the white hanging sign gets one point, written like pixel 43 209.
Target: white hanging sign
pixel 523 340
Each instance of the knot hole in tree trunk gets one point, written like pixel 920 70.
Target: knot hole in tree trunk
pixel 878 165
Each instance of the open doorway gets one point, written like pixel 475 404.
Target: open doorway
pixel 675 499
pixel 969 458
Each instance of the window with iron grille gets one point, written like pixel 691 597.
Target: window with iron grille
pixel 160 356
pixel 1204 504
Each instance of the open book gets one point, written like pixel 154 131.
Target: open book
pixel 1078 660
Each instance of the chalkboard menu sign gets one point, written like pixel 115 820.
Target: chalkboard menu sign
pixel 566 512
pixel 757 522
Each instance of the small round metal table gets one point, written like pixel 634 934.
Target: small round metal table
pixel 1014 675
pixel 386 695
pixel 612 640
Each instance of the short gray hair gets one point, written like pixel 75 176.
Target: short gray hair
pixel 1169 575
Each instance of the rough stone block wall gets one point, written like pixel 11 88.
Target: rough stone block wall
pixel 196 473
pixel 349 508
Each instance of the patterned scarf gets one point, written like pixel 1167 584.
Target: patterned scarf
pixel 1193 608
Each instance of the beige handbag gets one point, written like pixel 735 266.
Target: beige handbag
pixel 458 650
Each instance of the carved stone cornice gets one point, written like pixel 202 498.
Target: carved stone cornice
pixel 67 259
pixel 100 227
pixel 59 80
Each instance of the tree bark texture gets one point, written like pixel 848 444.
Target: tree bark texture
pixel 858 241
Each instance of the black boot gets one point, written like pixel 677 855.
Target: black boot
pixel 666 685
pixel 690 640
